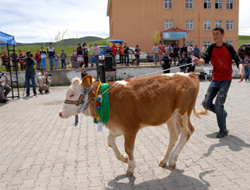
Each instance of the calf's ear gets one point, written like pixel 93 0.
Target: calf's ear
pixel 87 81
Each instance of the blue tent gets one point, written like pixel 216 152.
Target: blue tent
pixel 7 39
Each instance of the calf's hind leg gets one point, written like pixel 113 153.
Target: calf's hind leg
pixel 129 149
pixel 174 132
pixel 111 143
pixel 186 131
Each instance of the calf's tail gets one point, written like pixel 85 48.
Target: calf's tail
pixel 197 113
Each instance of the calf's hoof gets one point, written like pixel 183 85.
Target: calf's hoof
pixel 129 174
pixel 171 168
pixel 162 164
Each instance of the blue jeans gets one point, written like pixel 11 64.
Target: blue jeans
pixel 113 60
pixel 121 59
pixel 51 63
pixel 219 88
pixel 137 61
pixel 91 60
pixel 38 64
pixel 96 60
pixel 63 63
pixel 43 63
pixel 126 57
pixel 30 75
pixel 247 73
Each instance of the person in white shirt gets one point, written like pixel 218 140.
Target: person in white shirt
pixel 191 58
pixel 189 49
pixel 156 53
pixel 204 49
pixel 43 81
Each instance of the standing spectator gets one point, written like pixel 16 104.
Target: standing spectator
pixel 21 57
pixel 96 54
pixel 38 60
pixel 114 51
pixel 30 73
pixel 170 51
pixel 56 56
pixel 14 59
pixel 162 49
pixel 221 55
pixel 183 63
pixel 4 88
pixel 176 53
pixel 241 52
pixel 204 49
pixel 166 62
pixel 91 52
pixel 86 55
pixel 126 54
pixel 246 63
pixel 191 59
pixel 121 53
pixel 196 51
pixel 184 50
pixel 63 59
pixel 74 59
pixel 156 53
pixel 137 54
pixel 247 50
pixel 5 60
pixel 51 53
pixel 43 58
pixel 79 55
pixel 189 49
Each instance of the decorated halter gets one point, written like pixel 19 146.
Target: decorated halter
pixel 83 99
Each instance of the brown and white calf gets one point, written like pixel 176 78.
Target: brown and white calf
pixel 141 102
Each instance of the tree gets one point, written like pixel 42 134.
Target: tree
pixel 157 36
pixel 60 37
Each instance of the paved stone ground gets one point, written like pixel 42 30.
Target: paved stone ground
pixel 39 150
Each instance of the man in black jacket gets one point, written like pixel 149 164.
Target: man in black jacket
pixel 184 50
pixel 166 62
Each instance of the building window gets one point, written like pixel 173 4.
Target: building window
pixel 189 42
pixel 168 24
pixel 189 25
pixel 207 25
pixel 218 23
pixel 207 4
pixel 229 25
pixel 230 4
pixel 189 4
pixel 230 42
pixel 218 4
pixel 168 4
pixel 208 43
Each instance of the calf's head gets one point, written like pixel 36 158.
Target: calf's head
pixel 71 104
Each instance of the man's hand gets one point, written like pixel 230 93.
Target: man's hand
pixel 241 76
pixel 198 61
pixel 6 85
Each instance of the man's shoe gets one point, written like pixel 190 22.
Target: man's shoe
pixel 27 95
pixel 3 101
pixel 222 134
pixel 35 94
pixel 41 92
pixel 46 91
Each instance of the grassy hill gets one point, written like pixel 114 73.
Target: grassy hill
pixel 243 40
pixel 66 42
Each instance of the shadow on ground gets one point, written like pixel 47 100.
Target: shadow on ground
pixel 234 143
pixel 175 181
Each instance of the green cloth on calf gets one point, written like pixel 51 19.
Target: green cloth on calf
pixel 105 104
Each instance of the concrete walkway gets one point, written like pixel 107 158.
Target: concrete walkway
pixel 39 150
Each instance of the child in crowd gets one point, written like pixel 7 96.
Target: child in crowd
pixel 246 63
pixel 63 59
pixel 183 63
pixel 38 60
pixel 56 61
pixel 74 59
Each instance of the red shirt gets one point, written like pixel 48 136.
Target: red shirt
pixel 21 57
pixel 37 57
pixel 162 49
pixel 221 58
pixel 114 49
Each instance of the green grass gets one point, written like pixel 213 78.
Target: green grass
pixel 243 40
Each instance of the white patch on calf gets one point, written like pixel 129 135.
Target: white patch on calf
pixel 179 73
pixel 122 82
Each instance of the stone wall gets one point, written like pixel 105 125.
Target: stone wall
pixel 64 77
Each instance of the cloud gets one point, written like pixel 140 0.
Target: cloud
pixel 41 20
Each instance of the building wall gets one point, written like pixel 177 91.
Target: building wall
pixel 135 21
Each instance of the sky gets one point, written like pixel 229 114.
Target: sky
pixel 41 20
